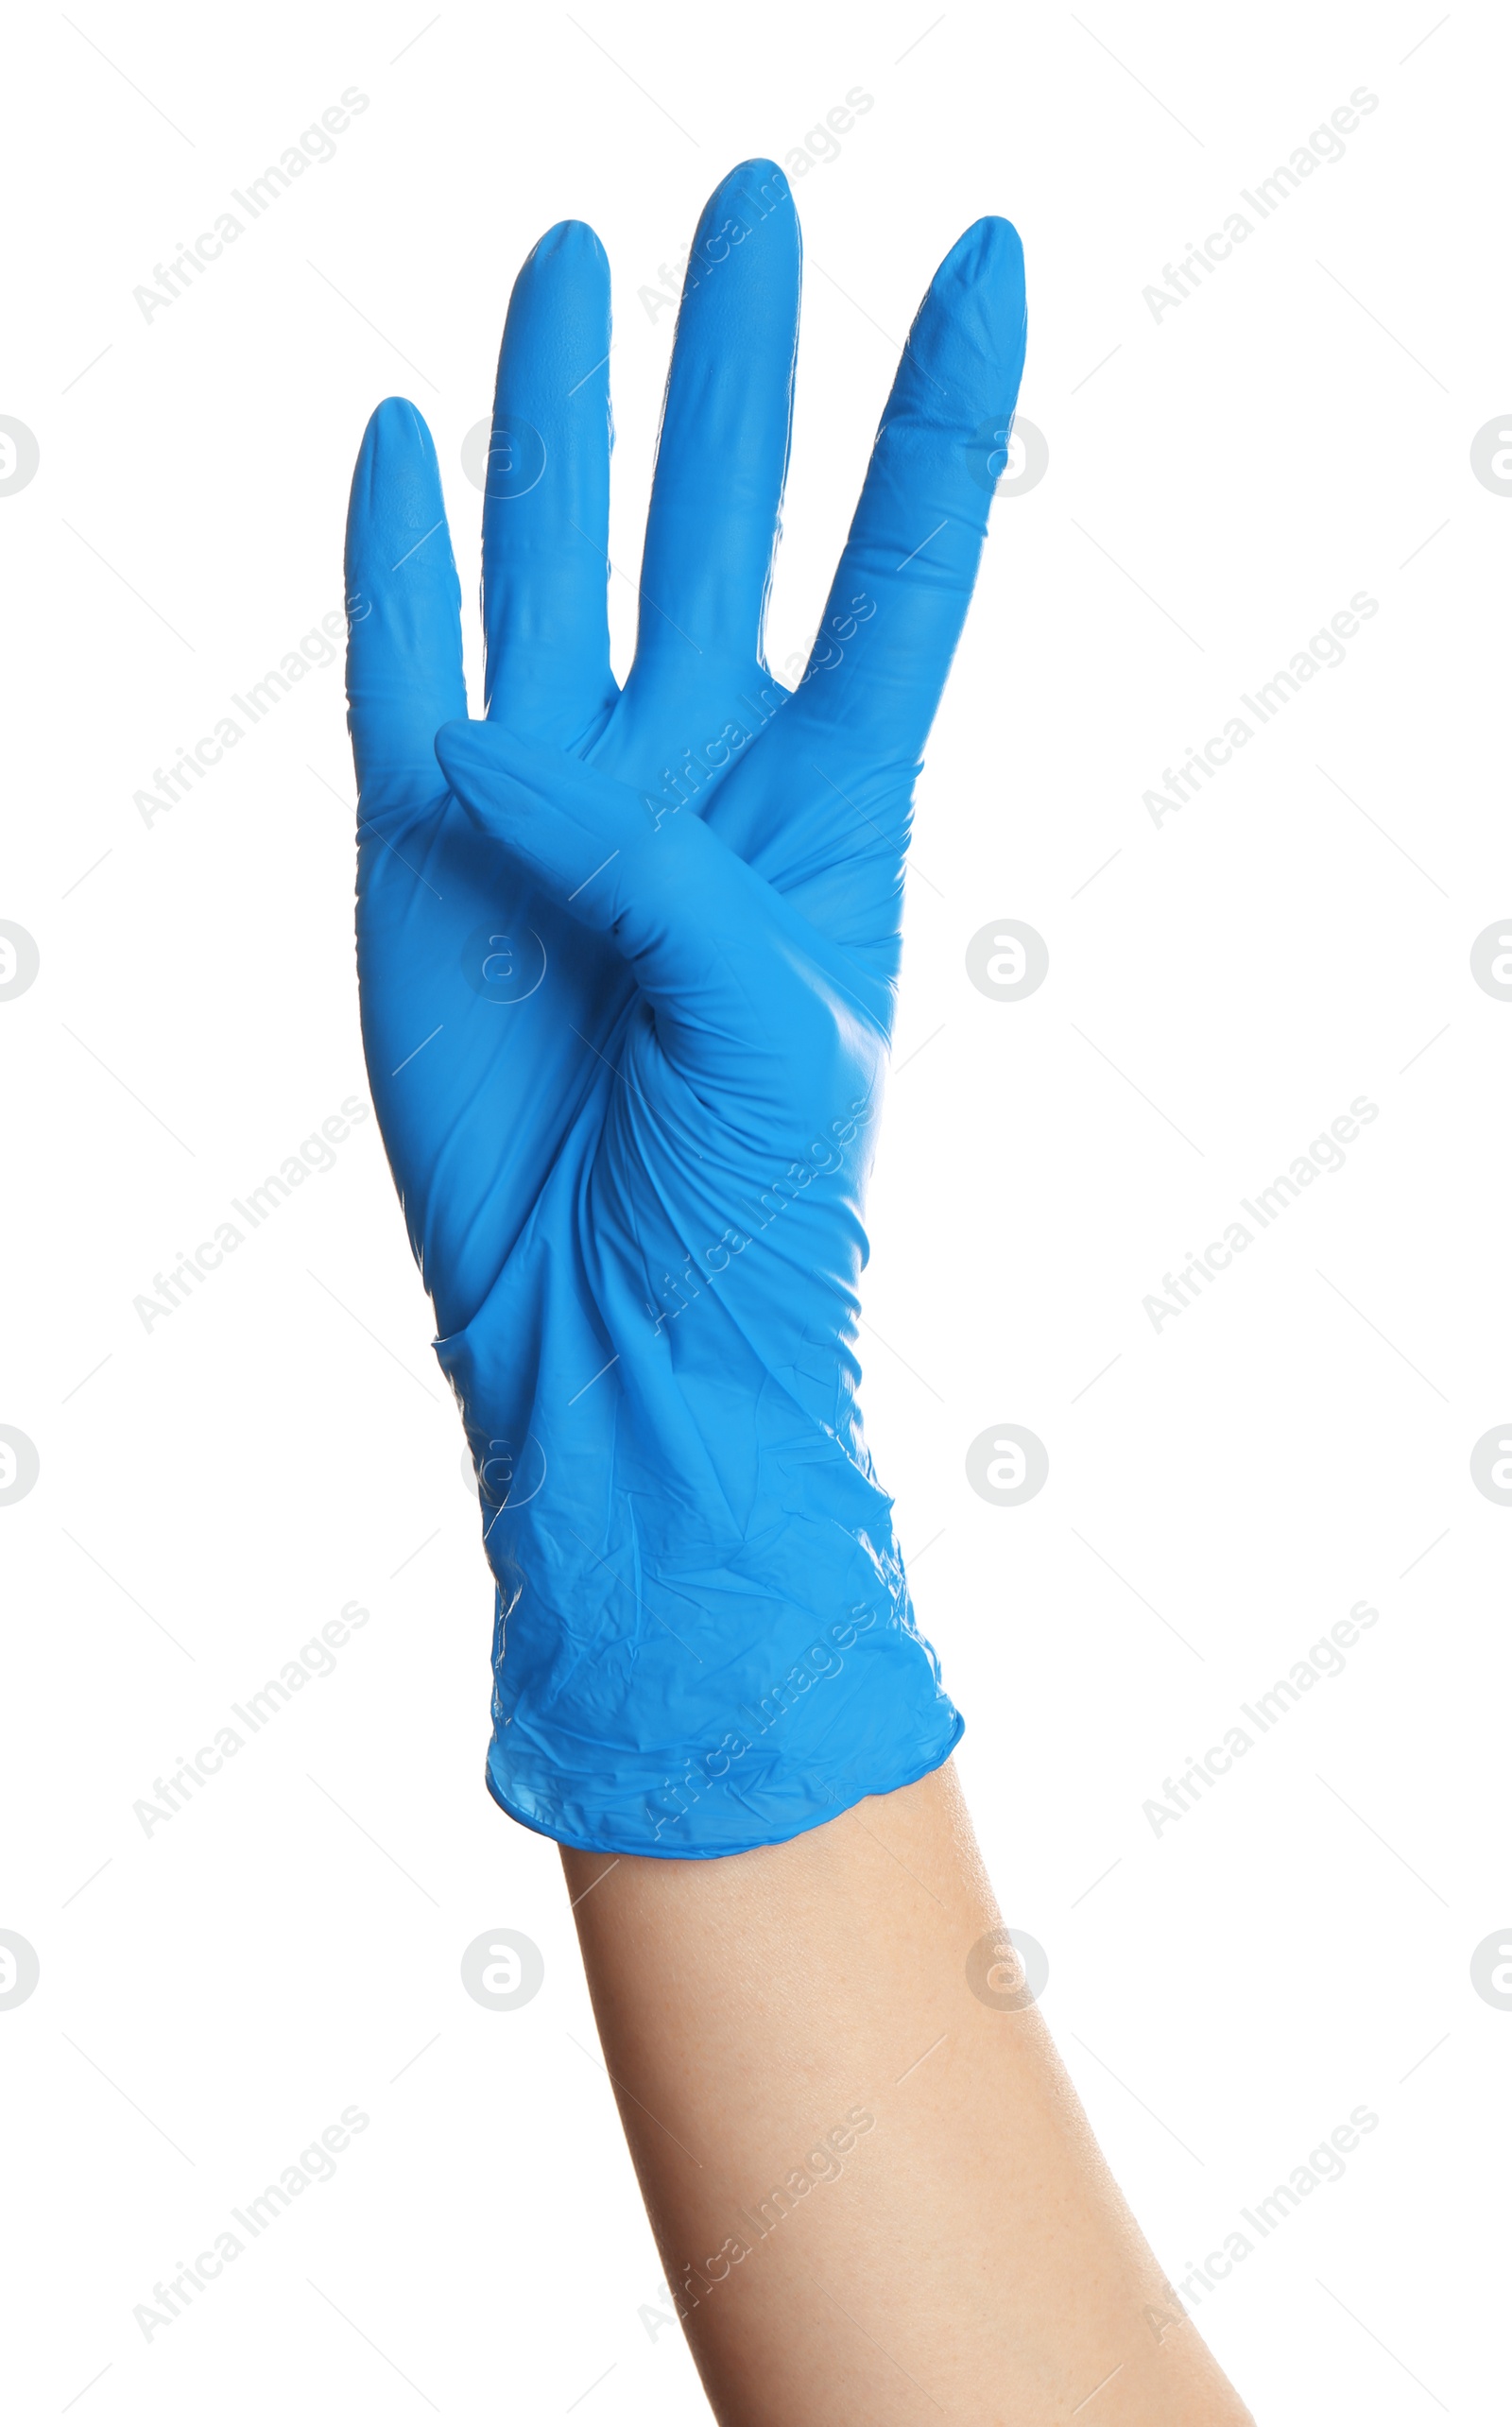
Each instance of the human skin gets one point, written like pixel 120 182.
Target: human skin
pixel 970 2257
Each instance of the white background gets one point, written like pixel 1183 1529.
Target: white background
pixel 1220 482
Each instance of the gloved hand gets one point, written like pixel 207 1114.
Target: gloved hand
pixel 627 963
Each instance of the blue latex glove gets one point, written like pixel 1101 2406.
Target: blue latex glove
pixel 627 964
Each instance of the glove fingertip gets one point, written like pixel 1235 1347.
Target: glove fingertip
pixel 966 344
pixel 989 248
pixel 459 753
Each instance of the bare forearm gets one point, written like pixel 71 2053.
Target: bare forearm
pixel 876 2196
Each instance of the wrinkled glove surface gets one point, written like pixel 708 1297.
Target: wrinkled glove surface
pixel 627 963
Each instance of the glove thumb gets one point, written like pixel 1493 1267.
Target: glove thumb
pixel 746 997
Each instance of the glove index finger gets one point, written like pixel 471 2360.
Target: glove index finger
pixel 905 578
pixel 404 611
